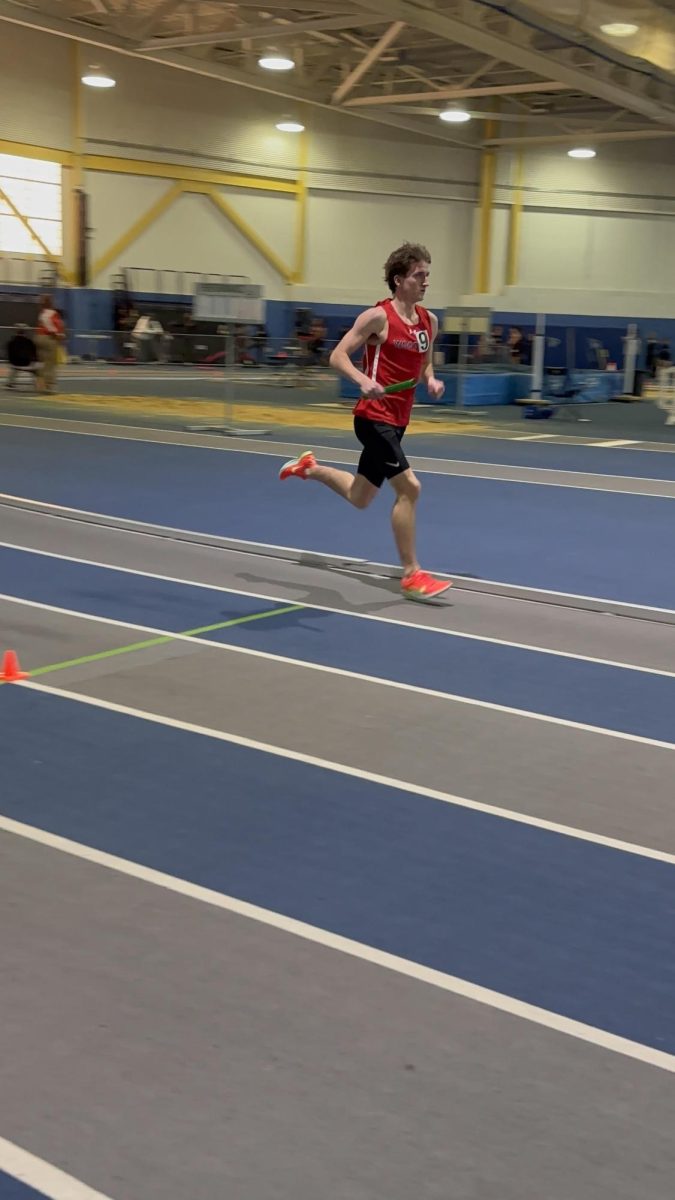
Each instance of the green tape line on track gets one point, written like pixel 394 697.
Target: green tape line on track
pixel 163 640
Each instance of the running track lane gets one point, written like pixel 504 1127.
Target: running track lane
pixel 562 539
pixel 634 702
pixel 14 1189
pixel 547 456
pixel 567 925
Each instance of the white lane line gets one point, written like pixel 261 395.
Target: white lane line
pixel 533 437
pixel 420 463
pixel 523 468
pixel 620 442
pixel 325 764
pixel 40 1175
pixel 378 680
pixel 332 941
pixel 216 541
pixel 342 612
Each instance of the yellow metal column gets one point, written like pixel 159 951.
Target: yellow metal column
pixel 300 254
pixel 487 188
pixel 76 176
pixel 515 222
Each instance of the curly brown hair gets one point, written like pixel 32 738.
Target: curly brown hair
pixel 401 260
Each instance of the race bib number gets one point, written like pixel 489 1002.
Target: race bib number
pixel 422 340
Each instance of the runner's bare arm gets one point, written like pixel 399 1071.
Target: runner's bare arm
pixel 370 323
pixel 435 387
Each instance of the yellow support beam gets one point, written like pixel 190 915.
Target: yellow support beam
pixel 139 226
pixel 154 170
pixel 487 188
pixel 300 251
pixel 44 153
pixel 118 166
pixel 515 222
pixel 247 232
pixel 176 171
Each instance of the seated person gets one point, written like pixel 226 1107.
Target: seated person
pixel 316 341
pixel 21 354
pixel 147 336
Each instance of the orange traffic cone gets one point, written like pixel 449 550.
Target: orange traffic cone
pixel 11 671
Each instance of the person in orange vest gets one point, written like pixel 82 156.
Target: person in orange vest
pixel 49 333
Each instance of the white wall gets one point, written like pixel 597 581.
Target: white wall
pixel 36 75
pixel 191 235
pixel 598 236
pixel 627 177
pixel 351 236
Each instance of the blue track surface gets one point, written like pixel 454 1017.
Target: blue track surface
pixel 609 697
pixel 551 456
pixel 117 595
pixel 569 540
pixel 12 1189
pixel 567 925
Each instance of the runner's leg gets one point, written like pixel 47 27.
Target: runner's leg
pixel 403 519
pixel 356 489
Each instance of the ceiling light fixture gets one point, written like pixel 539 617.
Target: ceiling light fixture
pixel 581 152
pixel 273 61
pixel 455 116
pixel 287 126
pixel 97 78
pixel 620 29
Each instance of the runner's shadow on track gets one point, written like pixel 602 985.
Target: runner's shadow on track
pixel 329 597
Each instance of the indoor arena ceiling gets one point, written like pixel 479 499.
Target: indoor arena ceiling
pixel 550 69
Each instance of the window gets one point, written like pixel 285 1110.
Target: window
pixel 34 187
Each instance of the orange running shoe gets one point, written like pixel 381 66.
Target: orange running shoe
pixel 298 466
pixel 422 586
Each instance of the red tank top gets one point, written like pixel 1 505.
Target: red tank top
pixel 401 356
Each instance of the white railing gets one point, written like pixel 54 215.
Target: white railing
pixel 166 282
pixel 29 270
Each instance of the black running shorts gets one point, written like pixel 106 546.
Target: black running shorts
pixel 382 456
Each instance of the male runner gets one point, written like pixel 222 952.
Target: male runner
pixel 398 336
